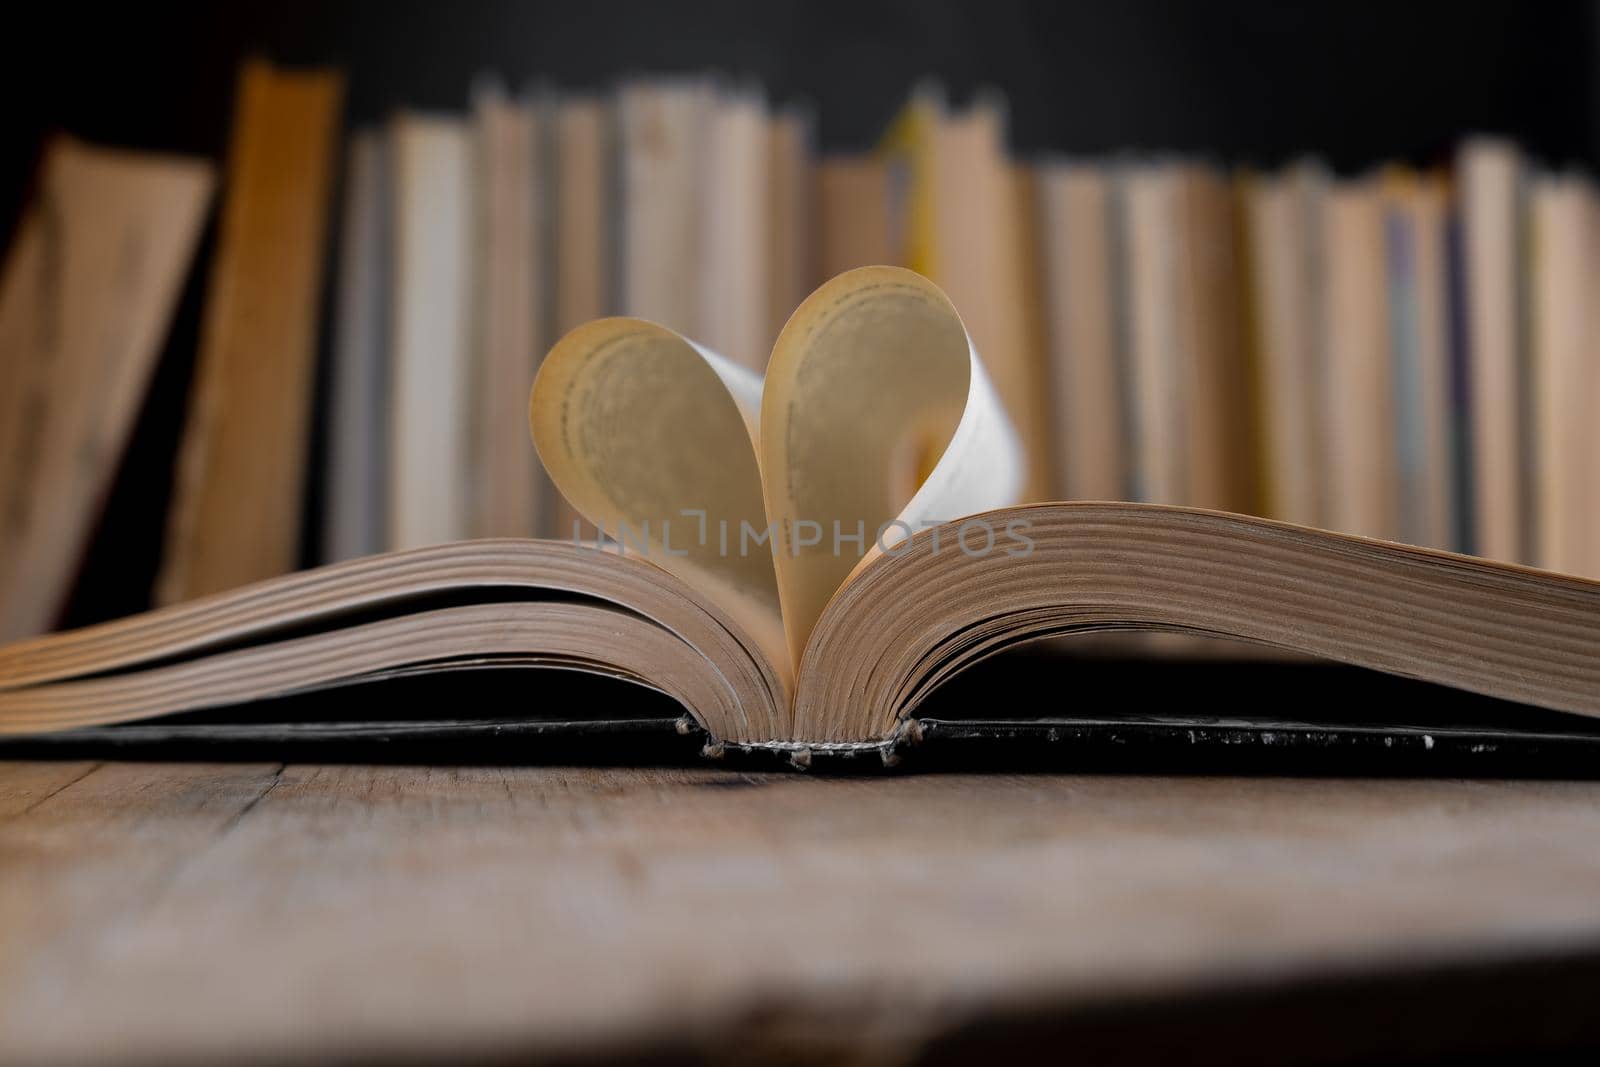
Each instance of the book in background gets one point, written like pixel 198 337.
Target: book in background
pixel 1564 373
pixel 1416 213
pixel 355 508
pixel 1076 264
pixel 1284 253
pixel 966 222
pixel 432 306
pixel 1359 388
pixel 584 236
pixel 674 200
pixel 240 486
pixel 662 142
pixel 1494 247
pixel 854 228
pixel 1288 343
pixel 510 494
pixel 88 294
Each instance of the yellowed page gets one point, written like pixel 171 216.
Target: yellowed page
pixel 877 420
pixel 652 438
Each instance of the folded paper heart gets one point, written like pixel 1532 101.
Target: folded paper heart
pixel 875 419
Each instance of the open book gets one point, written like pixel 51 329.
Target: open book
pixel 800 563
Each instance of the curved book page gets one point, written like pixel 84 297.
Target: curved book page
pixel 876 420
pixel 557 603
pixel 650 437
pixel 1497 629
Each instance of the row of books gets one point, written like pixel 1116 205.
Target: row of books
pixel 470 243
pixel 1401 354
pixel 1404 354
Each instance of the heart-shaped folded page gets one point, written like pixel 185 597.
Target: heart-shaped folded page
pixel 876 419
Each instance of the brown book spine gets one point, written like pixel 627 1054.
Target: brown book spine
pixel 237 507
pixel 1360 381
pixel 792 268
pixel 1215 385
pixel 584 230
pixel 853 227
pixel 508 484
pixel 1074 207
pixel 89 288
pixel 980 258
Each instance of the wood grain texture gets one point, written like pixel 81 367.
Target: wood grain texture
pixel 27 785
pixel 176 913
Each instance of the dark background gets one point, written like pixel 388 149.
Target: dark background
pixel 1253 82
pixel 1256 81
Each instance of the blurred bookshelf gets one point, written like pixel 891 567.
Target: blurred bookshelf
pixel 1243 88
pixel 1251 82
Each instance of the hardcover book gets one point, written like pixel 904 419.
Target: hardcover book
pixel 799 563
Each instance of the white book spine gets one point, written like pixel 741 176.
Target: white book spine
pixel 432 331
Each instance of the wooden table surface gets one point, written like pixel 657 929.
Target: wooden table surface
pixel 175 912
